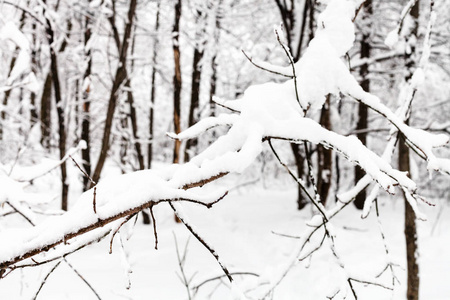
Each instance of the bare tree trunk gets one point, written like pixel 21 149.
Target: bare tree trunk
pixel 212 86
pixel 195 87
pixel 324 157
pixel 410 229
pixel 312 10
pixel 60 113
pixel 134 129
pixel 213 79
pixel 176 81
pixel 176 84
pixel 33 111
pixel 46 102
pixel 86 106
pixel 299 162
pixel 133 115
pixel 46 106
pixel 404 165
pixel 119 78
pixel 152 92
pixel 365 84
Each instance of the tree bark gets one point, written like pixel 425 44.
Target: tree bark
pixel 404 165
pixel 176 81
pixel 119 78
pixel 153 92
pixel 46 106
pixel 410 229
pixel 86 106
pixel 214 64
pixel 60 113
pixel 365 84
pixel 299 162
pixel 133 115
pixel 324 157
pixel 33 111
pixel 191 144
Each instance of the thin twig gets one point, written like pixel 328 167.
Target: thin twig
pixel 265 69
pixel 83 279
pixel 313 250
pixel 352 289
pixel 358 10
pixel 371 283
pixel 202 241
pixel 25 10
pixel 155 233
pixel 386 249
pixel 222 276
pixel 93 183
pixel 45 279
pixel 299 182
pixel 181 262
pixel 19 212
pixel 286 235
pixel 128 218
pixel 291 61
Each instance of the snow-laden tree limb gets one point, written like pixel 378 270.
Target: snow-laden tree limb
pixel 117 198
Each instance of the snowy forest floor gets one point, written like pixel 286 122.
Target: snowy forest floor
pixel 241 228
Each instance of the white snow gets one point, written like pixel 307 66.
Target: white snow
pixel 22 65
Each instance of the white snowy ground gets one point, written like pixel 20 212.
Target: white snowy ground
pixel 240 228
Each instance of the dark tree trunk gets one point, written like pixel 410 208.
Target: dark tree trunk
pixel 191 144
pixel 311 26
pixel 119 78
pixel 60 113
pixel 86 106
pixel 299 162
pixel 133 115
pixel 176 84
pixel 153 92
pixel 214 64
pixel 365 84
pixel 324 157
pixel 46 108
pixel 134 128
pixel 410 229
pixel 46 101
pixel 176 81
pixel 212 86
pixel 404 165
pixel 34 117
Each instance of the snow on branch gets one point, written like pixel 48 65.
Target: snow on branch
pixel 23 60
pixel 45 168
pixel 205 124
pixel 117 197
